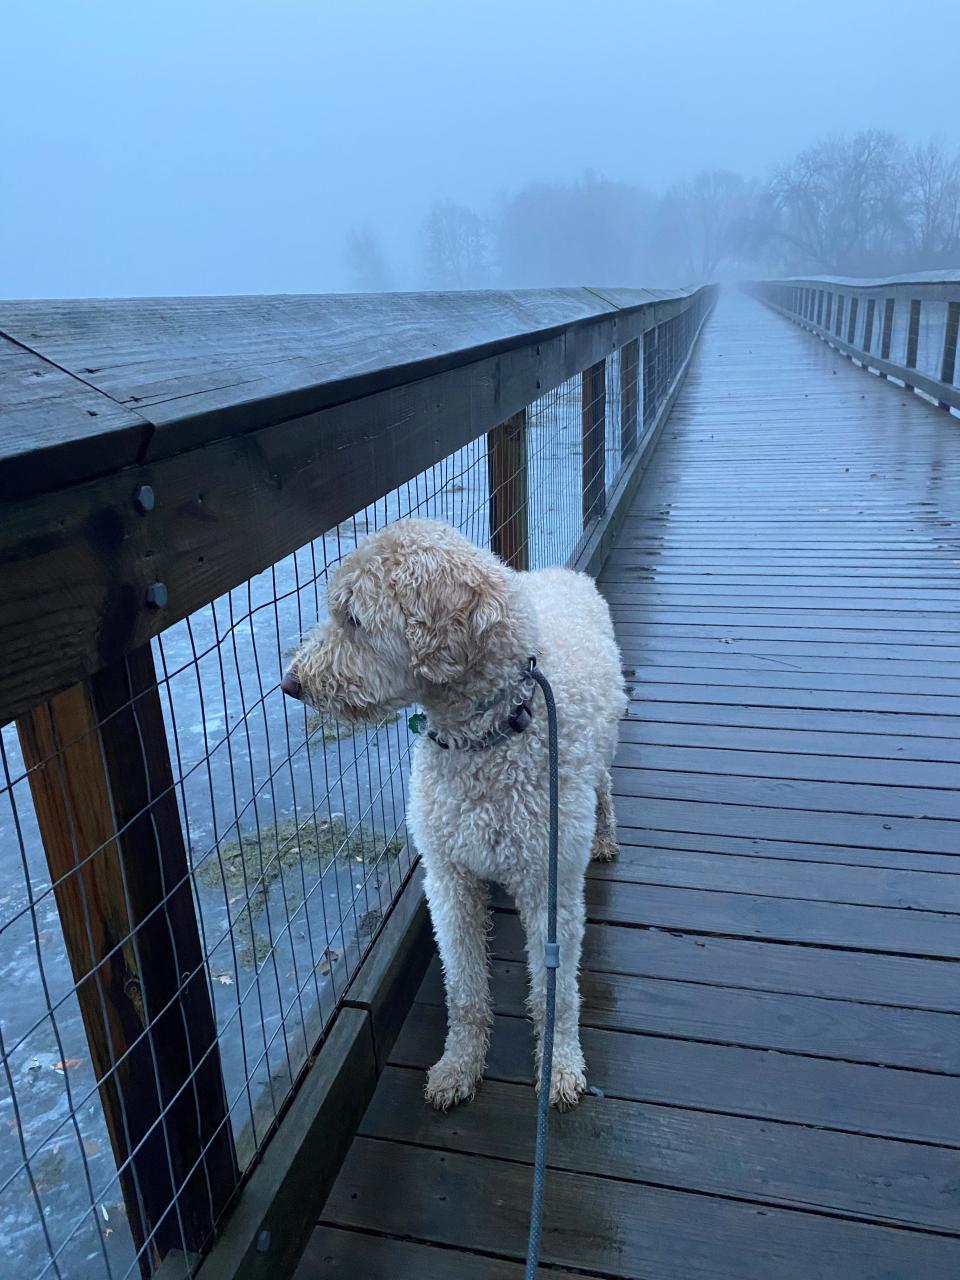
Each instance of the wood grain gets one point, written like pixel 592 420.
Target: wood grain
pixel 103 790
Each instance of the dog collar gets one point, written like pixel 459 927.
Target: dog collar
pixel 520 718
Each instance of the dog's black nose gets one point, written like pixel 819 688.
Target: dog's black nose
pixel 290 685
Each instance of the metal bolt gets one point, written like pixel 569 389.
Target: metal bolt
pixel 156 596
pixel 263 1241
pixel 145 498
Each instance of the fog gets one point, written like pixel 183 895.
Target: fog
pixel 207 146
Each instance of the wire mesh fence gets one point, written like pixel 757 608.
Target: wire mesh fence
pixel 194 866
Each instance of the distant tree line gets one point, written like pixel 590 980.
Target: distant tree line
pixel 869 204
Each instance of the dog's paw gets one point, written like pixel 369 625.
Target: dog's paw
pixel 568 1083
pixel 604 849
pixel 450 1082
pixel 568 1080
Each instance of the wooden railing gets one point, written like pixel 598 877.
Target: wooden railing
pixel 903 327
pixel 156 455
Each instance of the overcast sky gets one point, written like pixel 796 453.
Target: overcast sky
pixel 227 146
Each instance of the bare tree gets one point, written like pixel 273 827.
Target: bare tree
pixel 933 202
pixel 456 247
pixel 366 260
pixel 839 206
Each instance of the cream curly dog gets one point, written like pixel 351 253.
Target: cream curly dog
pixel 420 615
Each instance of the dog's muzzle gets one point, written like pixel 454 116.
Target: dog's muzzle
pixel 290 685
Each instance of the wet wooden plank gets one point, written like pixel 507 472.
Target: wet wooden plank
pixel 816 720
pixel 933 603
pixel 875 832
pixel 899 623
pixel 824 639
pixel 604 1225
pixel 721 693
pixel 769 676
pixel 789 793
pixel 44 406
pixel 743 914
pixel 836 749
pixel 687 956
pixel 892 770
pixel 789 848
pixel 898 1183
pixel 915 1039
pixel 712 655
pixel 847 1096
pixel 335 1254
pixel 861 887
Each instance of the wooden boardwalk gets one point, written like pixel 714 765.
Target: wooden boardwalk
pixel 771 993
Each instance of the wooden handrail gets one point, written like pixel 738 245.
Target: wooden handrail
pixel 293 440
pixel 817 303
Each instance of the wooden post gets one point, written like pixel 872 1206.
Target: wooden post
pixel 829 314
pixel 838 327
pixel 819 306
pixel 593 414
pixel 887 331
pixel 107 810
pixel 852 322
pixel 649 376
pixel 507 478
pixel 950 336
pixel 913 338
pixel 868 324
pixel 629 396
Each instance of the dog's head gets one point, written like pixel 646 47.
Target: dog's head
pixel 413 609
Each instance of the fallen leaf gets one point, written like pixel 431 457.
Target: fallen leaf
pixel 91 1147
pixel 224 979
pixel 68 1064
pixel 327 961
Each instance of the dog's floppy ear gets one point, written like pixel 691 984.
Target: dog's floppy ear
pixel 451 603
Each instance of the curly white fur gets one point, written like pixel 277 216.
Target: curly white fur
pixel 418 614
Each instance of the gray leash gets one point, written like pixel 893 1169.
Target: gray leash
pixel 551 960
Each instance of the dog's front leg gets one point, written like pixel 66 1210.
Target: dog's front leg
pixel 460 910
pixel 568 1079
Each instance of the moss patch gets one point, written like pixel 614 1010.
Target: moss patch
pixel 248 869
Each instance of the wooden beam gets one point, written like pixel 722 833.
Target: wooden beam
pixel 948 368
pixel 593 413
pixel 629 396
pixel 107 810
pixel 507 479
pixel 913 337
pixel 650 375
pixel 77 563
pixel 116 382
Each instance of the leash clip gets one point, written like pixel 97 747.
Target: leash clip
pixel 551 955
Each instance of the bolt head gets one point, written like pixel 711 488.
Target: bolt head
pixel 263 1241
pixel 156 596
pixel 145 498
